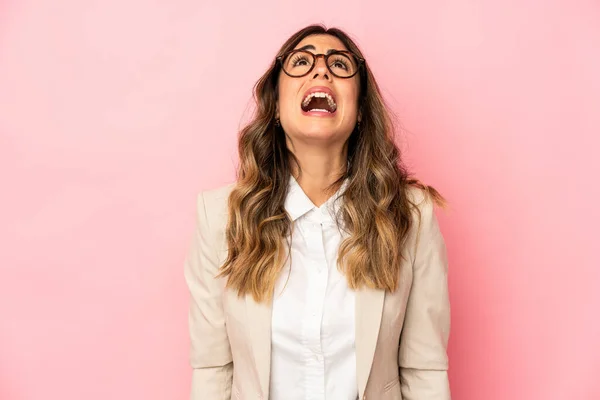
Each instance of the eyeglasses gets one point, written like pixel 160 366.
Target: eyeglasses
pixel 298 63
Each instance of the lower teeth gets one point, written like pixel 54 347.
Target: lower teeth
pixel 319 110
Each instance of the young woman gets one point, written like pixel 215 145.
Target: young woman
pixel 321 273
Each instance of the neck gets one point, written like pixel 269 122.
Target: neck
pixel 320 167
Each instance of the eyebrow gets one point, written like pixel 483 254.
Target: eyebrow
pixel 311 47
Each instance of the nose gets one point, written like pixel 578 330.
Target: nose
pixel 321 69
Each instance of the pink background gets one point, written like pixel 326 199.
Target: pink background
pixel 114 114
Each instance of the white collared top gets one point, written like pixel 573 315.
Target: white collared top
pixel 313 321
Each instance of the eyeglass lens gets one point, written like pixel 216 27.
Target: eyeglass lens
pixel 300 62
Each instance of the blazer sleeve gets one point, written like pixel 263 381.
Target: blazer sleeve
pixel 422 355
pixel 210 353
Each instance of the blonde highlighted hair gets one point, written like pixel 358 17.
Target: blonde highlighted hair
pixel 376 209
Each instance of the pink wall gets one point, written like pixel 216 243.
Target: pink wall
pixel 113 114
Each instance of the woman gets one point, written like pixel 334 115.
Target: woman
pixel 321 273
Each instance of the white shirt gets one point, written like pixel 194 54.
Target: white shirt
pixel 313 342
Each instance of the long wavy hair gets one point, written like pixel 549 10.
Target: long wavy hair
pixel 375 211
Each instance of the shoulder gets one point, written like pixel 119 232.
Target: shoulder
pixel 424 224
pixel 213 203
pixel 422 203
pixel 216 198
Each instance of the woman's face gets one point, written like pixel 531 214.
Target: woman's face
pixel 315 121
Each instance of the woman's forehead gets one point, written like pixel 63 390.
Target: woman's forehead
pixel 320 43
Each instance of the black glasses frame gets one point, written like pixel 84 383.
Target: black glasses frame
pixel 359 61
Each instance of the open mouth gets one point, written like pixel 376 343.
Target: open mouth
pixel 318 101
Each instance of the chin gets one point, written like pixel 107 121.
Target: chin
pixel 318 131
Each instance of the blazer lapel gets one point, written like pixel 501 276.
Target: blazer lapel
pixel 369 308
pixel 259 331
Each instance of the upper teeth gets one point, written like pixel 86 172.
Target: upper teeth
pixel 324 95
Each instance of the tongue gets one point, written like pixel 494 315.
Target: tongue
pixel 317 103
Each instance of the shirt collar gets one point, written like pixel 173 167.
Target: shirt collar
pixel 298 204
